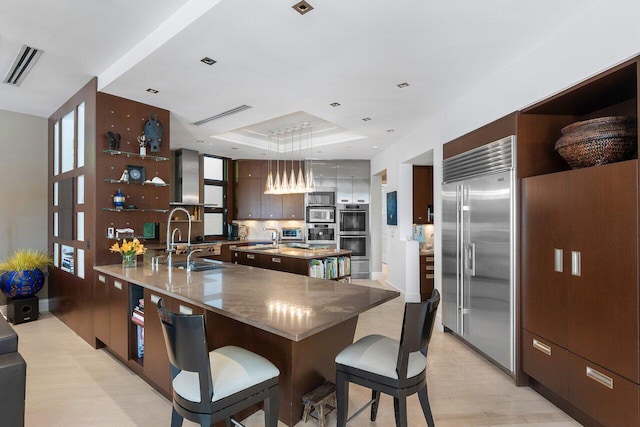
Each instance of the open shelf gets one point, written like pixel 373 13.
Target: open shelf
pixel 119 181
pixel 135 210
pixel 131 154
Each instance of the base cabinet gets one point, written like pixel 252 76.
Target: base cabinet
pixel 606 397
pixel 580 288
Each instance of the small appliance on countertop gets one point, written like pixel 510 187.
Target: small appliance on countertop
pixel 233 231
pixel 291 233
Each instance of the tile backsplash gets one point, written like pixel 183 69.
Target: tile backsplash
pixel 255 229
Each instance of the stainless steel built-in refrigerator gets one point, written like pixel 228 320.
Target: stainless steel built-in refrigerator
pixel 478 249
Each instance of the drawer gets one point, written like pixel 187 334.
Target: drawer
pixel 545 362
pixel 606 397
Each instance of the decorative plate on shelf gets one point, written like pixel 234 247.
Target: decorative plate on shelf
pixel 136 174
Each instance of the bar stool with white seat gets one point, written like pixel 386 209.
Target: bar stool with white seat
pixel 212 386
pixel 385 365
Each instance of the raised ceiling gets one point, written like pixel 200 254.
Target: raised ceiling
pixel 273 59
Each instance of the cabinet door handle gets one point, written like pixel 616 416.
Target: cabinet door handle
pixel 430 268
pixel 251 256
pixel 117 285
pixel 155 299
pixel 185 310
pixel 430 276
pixel 600 377
pixel 541 347
pixel 278 260
pixel 576 266
pixel 102 278
pixel 557 260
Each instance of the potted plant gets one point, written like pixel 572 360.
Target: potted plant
pixel 22 275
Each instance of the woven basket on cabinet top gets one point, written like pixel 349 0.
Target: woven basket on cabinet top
pixel 598 141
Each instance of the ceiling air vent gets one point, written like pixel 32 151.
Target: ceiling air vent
pixel 23 63
pixel 221 115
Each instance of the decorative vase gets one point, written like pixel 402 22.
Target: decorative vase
pixel 118 200
pixel 129 260
pixel 22 284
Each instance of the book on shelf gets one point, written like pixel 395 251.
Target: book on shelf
pixel 316 269
pixel 140 340
pixel 331 266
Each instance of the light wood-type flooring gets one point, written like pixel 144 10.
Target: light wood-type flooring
pixel 71 384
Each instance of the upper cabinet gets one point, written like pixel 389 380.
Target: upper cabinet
pixel 252 203
pixel 353 179
pixel 423 194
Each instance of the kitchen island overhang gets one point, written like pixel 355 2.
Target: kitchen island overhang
pixel 297 322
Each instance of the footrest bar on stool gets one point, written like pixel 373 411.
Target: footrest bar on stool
pixel 237 423
pixel 359 411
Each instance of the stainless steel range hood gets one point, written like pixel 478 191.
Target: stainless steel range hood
pixel 187 178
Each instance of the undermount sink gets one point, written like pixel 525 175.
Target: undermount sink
pixel 198 265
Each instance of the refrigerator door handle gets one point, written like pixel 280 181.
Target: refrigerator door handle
pixel 460 262
pixel 473 259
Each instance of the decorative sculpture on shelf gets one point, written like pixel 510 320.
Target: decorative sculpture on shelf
pixel 153 133
pixel 142 141
pixel 114 141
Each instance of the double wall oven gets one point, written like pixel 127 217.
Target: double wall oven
pixel 353 235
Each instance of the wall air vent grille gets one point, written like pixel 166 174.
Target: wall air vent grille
pixel 221 115
pixel 494 157
pixel 24 62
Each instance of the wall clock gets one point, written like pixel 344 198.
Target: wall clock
pixel 136 174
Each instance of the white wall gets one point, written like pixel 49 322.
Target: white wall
pixel 23 173
pixel 575 53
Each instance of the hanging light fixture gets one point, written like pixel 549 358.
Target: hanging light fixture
pixel 284 141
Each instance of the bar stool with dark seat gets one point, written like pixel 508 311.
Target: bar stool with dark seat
pixel 388 366
pixel 212 386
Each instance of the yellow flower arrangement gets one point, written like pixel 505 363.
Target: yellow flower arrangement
pixel 133 247
pixel 129 251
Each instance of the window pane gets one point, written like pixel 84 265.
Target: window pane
pixel 213 168
pixel 80 263
pixel 80 189
pixel 213 196
pixel 213 223
pixel 55 193
pixel 56 254
pixel 80 226
pixel 68 136
pixel 55 224
pixel 56 148
pixel 81 135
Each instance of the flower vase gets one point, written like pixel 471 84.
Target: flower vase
pixel 129 260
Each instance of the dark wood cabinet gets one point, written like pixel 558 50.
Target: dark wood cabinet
pixel 293 206
pixel 156 360
pixel 270 204
pixel 119 316
pixel 101 308
pixel 544 290
pixel 580 288
pixel 427 274
pixel 252 203
pixel 249 198
pixel 422 194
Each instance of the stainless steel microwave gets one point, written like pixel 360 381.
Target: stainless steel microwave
pixel 321 214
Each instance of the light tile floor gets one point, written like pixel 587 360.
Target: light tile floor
pixel 71 384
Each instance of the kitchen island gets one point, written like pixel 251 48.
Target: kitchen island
pixel 315 262
pixel 297 322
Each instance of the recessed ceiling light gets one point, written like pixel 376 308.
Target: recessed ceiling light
pixel 391 130
pixel 335 104
pixel 263 154
pixel 319 151
pixel 375 147
pixel 302 7
pixel 366 119
pixel 152 90
pixel 208 60
pixel 200 141
pixel 234 148
pixel 401 85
